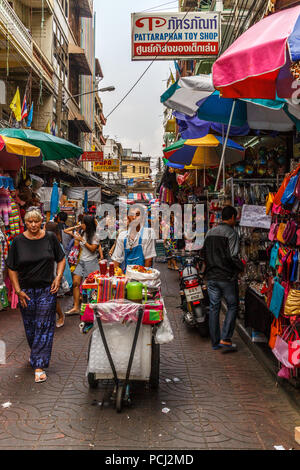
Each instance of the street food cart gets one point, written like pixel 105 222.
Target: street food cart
pixel 130 322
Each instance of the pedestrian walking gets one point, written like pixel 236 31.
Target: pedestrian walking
pixel 88 262
pixel 67 283
pixel 222 266
pixel 61 220
pixel 30 264
pixel 170 244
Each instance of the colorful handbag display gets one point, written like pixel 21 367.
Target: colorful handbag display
pixel 292 305
pixel 294 349
pixel 153 313
pixel 277 298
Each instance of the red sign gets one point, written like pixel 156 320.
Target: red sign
pixel 92 157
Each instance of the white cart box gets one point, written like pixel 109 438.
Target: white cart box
pixel 119 339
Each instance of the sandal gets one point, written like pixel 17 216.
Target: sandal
pixel 38 377
pixel 61 321
pixel 72 312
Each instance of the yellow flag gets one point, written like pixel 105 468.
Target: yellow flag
pixel 48 128
pixel 15 106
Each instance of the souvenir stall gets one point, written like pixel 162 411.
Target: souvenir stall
pixel 130 324
pixel 274 308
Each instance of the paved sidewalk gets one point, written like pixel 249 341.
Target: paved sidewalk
pixel 221 401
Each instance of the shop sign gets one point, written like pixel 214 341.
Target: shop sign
pixel 92 157
pixel 167 36
pixel 109 165
pixel 255 216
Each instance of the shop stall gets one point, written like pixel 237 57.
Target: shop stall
pixel 273 304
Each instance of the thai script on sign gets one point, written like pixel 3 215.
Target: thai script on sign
pixel 180 35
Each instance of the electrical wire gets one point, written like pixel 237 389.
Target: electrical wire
pixel 153 8
pixel 227 29
pixel 144 73
pixel 240 17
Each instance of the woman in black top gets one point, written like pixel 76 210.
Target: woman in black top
pixel 30 263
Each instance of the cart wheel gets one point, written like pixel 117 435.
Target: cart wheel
pixel 119 398
pixel 155 362
pixel 93 383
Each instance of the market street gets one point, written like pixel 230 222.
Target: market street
pixel 220 401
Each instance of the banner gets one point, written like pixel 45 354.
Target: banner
pixel 167 36
pixel 92 157
pixel 107 166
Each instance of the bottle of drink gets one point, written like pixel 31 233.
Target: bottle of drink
pixel 111 269
pixel 103 267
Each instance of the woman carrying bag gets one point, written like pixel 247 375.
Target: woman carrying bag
pixel 30 262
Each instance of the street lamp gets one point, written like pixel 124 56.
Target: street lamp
pixel 101 90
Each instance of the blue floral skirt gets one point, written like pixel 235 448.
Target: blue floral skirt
pixel 39 319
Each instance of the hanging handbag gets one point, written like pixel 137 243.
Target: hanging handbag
pixel 298 237
pixel 293 277
pixel 276 208
pixel 274 255
pixel 153 313
pixel 277 298
pixel 269 292
pixel 294 349
pixel 280 231
pixel 287 266
pixel 292 305
pixel 281 348
pixel 276 329
pixel 280 192
pixel 297 190
pixel 273 231
pixel 286 231
pixel 288 195
pixel 269 202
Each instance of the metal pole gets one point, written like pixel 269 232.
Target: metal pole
pixel 224 158
pixel 225 145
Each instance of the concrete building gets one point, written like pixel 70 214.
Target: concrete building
pixel 47 49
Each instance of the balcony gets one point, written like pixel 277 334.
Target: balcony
pixel 78 60
pixel 15 27
pixel 37 4
pixel 85 8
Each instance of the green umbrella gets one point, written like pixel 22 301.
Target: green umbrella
pixel 53 148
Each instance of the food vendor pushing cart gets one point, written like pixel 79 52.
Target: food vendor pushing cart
pixel 135 246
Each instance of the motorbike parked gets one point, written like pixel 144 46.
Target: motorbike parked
pixel 193 292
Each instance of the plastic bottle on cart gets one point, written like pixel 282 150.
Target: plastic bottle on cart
pixel 103 267
pixel 111 269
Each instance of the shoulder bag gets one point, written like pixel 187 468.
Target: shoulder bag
pixel 277 298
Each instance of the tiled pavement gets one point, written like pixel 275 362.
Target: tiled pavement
pixel 221 401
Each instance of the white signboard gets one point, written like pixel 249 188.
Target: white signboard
pixel 168 36
pixel 255 216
